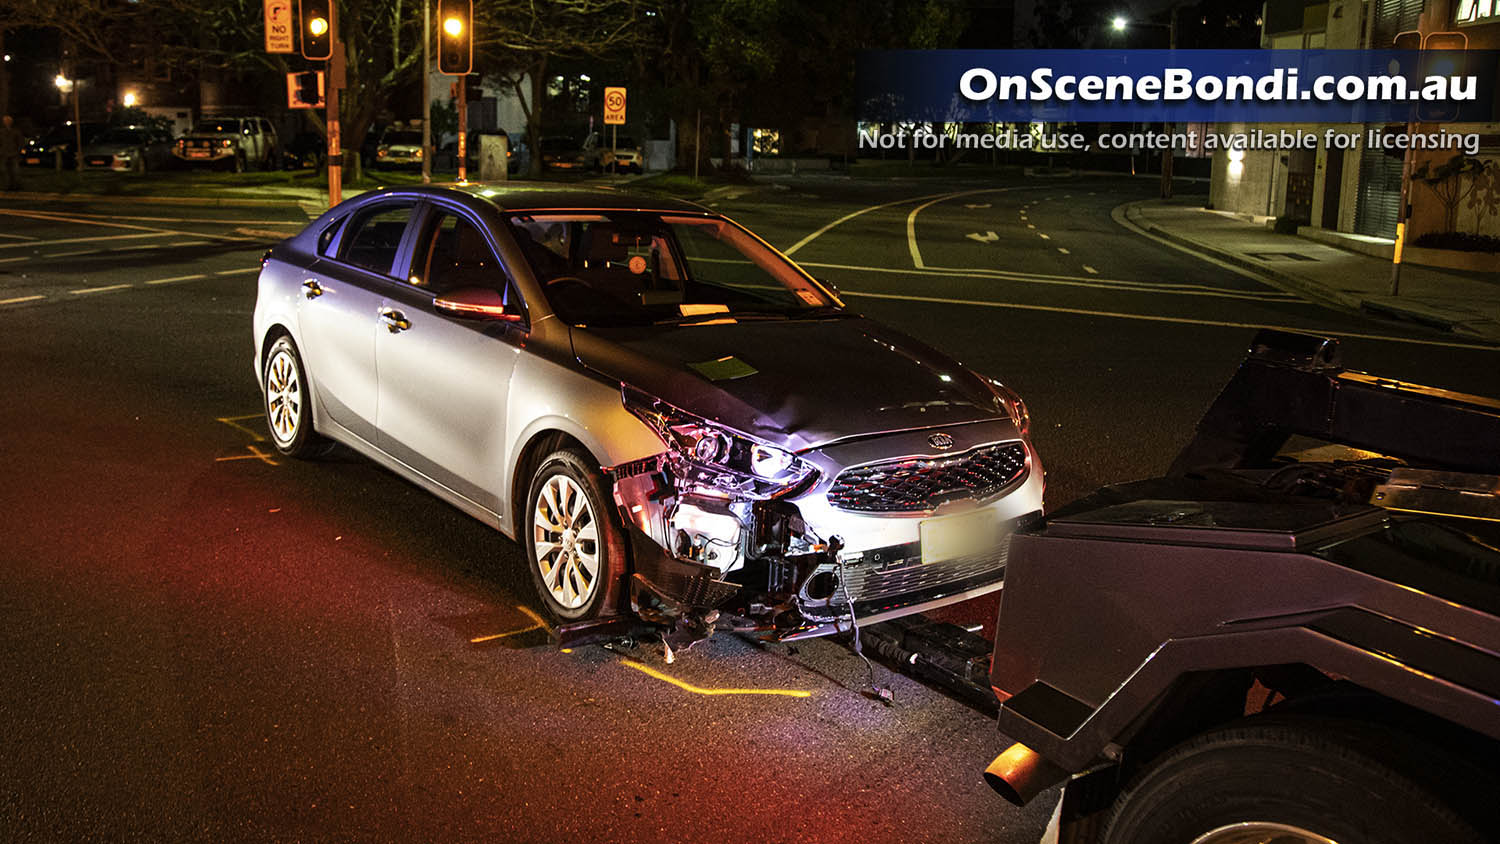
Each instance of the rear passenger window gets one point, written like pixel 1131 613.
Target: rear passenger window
pixel 375 238
pixel 325 237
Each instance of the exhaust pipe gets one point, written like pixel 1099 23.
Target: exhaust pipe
pixel 1020 773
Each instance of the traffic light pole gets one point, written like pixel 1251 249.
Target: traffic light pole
pixel 426 93
pixel 335 139
pixel 462 105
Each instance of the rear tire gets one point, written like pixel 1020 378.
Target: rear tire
pixel 288 403
pixel 1290 779
pixel 575 548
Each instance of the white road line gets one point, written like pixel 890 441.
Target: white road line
pixel 1075 281
pixel 174 219
pixel 985 272
pixel 1031 225
pixel 982 303
pixel 175 279
pixel 19 299
pixel 1090 270
pixel 1062 250
pixel 911 219
pixel 61 218
pixel 70 254
pixel 847 217
pixel 82 290
pixel 60 241
pixel 239 270
pixel 19 258
pixel 190 243
pixel 1044 236
pixel 17 236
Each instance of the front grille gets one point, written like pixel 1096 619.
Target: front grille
pixel 921 483
pixel 915 579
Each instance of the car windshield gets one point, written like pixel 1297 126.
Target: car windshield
pixel 635 268
pixel 404 138
pixel 122 136
pixel 218 127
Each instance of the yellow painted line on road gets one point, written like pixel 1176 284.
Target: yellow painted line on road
pixel 17 236
pixel 1044 236
pixel 62 240
pixel 699 690
pixel 175 279
pixel 171 219
pixel 234 422
pixel 190 243
pixel 1090 270
pixel 1213 323
pixel 19 258
pixel 1063 251
pixel 74 252
pixel 239 270
pixel 536 624
pixel 255 454
pixel 84 290
pixel 19 299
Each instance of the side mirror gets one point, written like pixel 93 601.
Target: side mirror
pixel 476 303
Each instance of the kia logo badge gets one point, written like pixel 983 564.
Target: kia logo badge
pixel 942 441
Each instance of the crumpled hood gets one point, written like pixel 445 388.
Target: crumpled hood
pixel 813 381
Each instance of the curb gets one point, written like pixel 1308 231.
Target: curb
pixel 1408 311
pixel 1283 281
pixel 210 201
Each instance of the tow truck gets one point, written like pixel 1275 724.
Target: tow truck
pixel 1292 636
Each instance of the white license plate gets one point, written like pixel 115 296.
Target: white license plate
pixel 951 537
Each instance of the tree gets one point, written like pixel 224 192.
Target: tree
pixel 519 39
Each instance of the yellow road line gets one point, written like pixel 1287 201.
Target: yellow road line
pixel 19 299
pixel 82 290
pixel 537 623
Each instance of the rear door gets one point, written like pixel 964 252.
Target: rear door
pixel 444 380
pixel 340 310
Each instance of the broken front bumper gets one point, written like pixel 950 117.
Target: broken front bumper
pixel 890 525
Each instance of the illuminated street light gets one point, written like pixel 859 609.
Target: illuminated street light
pixel 130 99
pixel 1119 23
pixel 63 83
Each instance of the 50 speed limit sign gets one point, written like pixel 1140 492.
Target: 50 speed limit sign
pixel 614 106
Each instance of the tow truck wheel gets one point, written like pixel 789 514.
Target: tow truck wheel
pixel 1302 780
pixel 574 545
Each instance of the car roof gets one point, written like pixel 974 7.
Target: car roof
pixel 510 197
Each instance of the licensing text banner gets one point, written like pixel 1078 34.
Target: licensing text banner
pixel 1253 86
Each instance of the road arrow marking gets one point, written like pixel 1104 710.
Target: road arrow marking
pixel 987 237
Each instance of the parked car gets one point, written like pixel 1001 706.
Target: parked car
pixel 399 148
pixel 133 149
pixel 43 150
pixel 234 143
pixel 1293 636
pixel 306 150
pixel 565 155
pixel 617 154
pixel 676 422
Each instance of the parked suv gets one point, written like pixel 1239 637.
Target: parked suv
pixel 618 154
pixel 234 143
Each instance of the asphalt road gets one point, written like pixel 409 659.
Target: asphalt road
pixel 203 641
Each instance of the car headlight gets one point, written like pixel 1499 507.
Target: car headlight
pixel 708 457
pixel 227 143
pixel 1013 405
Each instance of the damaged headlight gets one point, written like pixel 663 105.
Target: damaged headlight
pixel 709 457
pixel 1012 404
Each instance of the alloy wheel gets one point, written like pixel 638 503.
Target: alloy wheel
pixel 283 396
pixel 566 538
pixel 1261 833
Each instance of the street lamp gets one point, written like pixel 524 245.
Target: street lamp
pixel 130 99
pixel 63 83
pixel 1119 23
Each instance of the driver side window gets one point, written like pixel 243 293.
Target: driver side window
pixel 452 254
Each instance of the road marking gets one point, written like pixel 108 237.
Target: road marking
pixel 255 454
pixel 911 219
pixel 189 243
pixel 171 219
pixel 234 422
pixel 1044 236
pixel 74 252
pixel 973 205
pixel 62 218
pixel 1031 225
pixel 851 215
pixel 17 236
pixel 1090 270
pixel 21 258
pixel 699 690
pixel 240 270
pixel 19 299
pixel 175 279
pixel 1158 288
pixel 987 237
pixel 536 624
pixel 1213 323
pixel 1062 250
pixel 83 290
pixel 62 240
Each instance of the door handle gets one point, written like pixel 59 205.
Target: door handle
pixel 314 289
pixel 395 321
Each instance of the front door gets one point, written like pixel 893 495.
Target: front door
pixel 444 380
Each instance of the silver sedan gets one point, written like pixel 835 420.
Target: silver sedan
pixel 679 425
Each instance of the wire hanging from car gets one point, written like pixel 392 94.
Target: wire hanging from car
pixel 879 692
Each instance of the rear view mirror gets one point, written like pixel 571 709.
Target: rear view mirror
pixel 476 303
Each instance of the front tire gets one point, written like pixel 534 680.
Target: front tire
pixel 288 403
pixel 1293 781
pixel 574 545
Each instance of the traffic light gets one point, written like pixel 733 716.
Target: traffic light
pixel 455 37
pixel 315 20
